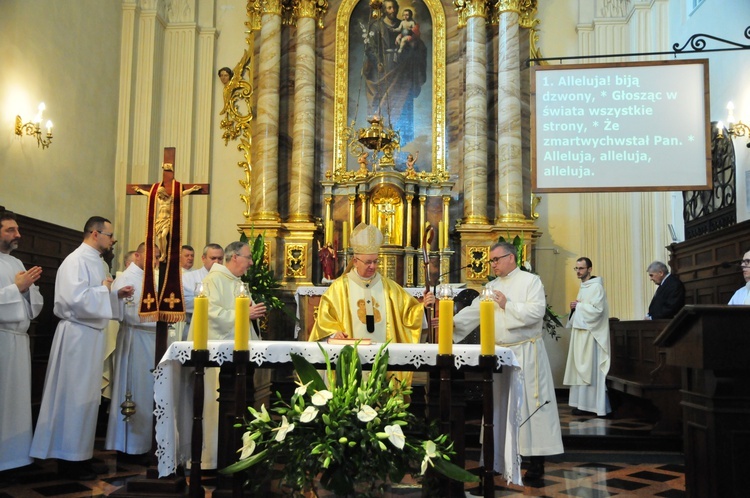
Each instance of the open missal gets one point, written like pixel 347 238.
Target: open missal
pixel 349 341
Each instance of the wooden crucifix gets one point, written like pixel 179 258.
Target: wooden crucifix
pixel 164 303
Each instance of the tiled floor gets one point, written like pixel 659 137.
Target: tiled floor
pixel 585 470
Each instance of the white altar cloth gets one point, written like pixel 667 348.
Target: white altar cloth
pixel 173 389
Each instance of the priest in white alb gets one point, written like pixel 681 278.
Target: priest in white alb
pixel 20 302
pixel 134 362
pixel 84 302
pixel 221 287
pixel 519 318
pixel 589 354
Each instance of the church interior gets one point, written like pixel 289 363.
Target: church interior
pixel 275 108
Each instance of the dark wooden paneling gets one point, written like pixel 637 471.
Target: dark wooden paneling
pixel 709 265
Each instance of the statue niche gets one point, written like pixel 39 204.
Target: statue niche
pixel 387 213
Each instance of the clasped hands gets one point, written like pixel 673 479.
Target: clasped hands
pixel 24 279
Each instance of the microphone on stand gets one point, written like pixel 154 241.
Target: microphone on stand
pixel 452 271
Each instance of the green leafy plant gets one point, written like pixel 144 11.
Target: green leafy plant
pixel 349 437
pixel 259 277
pixel 551 318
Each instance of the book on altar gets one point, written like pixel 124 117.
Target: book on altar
pixel 350 341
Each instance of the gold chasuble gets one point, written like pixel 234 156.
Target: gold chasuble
pixel 398 315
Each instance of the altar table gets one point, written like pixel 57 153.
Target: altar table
pixel 173 396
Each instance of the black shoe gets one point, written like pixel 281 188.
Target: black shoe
pixel 578 412
pixel 139 459
pixel 535 472
pixel 98 467
pixel 7 478
pixel 75 471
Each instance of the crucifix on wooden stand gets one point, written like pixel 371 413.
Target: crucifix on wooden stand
pixel 162 303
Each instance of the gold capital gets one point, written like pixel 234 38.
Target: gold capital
pixel 315 9
pixel 471 8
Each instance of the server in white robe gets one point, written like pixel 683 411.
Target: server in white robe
pixel 84 302
pixel 134 362
pixel 519 316
pixel 20 302
pixel 212 253
pixel 221 284
pixel 742 296
pixel 589 354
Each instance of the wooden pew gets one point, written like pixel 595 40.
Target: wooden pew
pixel 639 369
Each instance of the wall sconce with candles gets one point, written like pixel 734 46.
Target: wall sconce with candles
pixel 33 128
pixel 738 129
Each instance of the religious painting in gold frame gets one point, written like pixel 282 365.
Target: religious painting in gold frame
pixel 356 32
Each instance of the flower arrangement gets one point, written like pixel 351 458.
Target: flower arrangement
pixel 349 437
pixel 551 318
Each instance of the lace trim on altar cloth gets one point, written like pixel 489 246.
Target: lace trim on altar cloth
pixel 173 382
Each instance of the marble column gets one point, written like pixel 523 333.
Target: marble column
pixel 265 165
pixel 122 157
pixel 475 118
pixel 147 82
pixel 303 153
pixel 509 172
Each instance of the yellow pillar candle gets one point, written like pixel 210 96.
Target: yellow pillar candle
pixel 487 327
pixel 345 236
pixel 241 323
pixel 445 326
pixel 441 236
pixel 200 319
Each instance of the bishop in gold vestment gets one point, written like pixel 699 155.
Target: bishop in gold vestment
pixel 362 303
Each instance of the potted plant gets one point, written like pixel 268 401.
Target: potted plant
pixel 348 438
pixel 260 277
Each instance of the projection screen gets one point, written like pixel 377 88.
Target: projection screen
pixel 641 126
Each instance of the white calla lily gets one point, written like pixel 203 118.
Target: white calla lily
pixel 248 445
pixel 395 435
pixel 301 390
pixel 366 413
pixel 308 415
pixel 283 429
pixel 320 398
pixel 430 452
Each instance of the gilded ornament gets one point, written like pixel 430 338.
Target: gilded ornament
pixel 478 259
pixel 296 260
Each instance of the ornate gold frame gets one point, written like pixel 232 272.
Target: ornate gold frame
pixel 341 84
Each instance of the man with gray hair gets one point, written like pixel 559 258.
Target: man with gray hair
pixel 221 284
pixel 669 298
pixel 212 253
pixel 520 306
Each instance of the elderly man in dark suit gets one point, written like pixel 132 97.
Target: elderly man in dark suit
pixel 670 295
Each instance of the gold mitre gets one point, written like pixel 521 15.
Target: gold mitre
pixel 366 239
